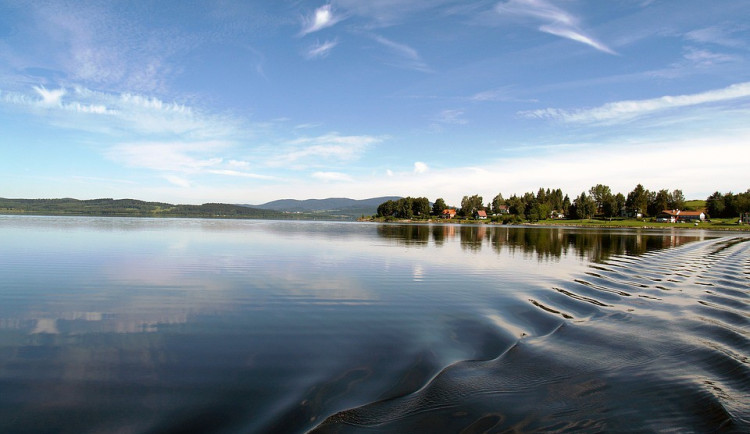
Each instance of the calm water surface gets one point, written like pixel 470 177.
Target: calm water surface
pixel 175 325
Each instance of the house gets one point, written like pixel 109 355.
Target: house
pixel 448 213
pixel 503 209
pixel 676 215
pixel 480 214
pixel 631 213
pixel 556 215
pixel 690 216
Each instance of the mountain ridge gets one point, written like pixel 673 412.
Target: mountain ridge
pixel 331 204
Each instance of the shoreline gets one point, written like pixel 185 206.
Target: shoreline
pixel 574 224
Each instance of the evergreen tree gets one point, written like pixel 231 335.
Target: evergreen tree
pixel 715 205
pixel 637 199
pixel 585 207
pixel 658 202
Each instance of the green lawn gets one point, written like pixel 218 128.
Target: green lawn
pixel 633 223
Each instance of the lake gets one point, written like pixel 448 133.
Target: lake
pixel 174 325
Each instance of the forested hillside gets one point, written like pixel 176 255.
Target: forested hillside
pixel 130 208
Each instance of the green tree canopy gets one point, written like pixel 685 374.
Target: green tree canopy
pixel 600 194
pixel 470 204
pixel 637 199
pixel 438 206
pixel 584 206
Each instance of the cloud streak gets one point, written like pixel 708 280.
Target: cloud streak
pixel 409 57
pixel 329 147
pixel 626 110
pixel 319 50
pixel 555 21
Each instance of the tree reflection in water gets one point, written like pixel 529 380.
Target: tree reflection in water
pixel 547 243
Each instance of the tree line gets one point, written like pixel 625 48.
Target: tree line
pixel 728 205
pixel 599 200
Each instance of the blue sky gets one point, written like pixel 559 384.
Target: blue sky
pixel 247 102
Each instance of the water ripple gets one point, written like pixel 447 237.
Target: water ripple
pixel 681 349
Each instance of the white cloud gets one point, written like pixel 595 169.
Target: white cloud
pixel 177 180
pixel 420 167
pixel 383 13
pixel 718 35
pixel 705 57
pixel 320 50
pixel 502 94
pixel 556 21
pixel 408 57
pixel 97 44
pixel 320 19
pixel 167 156
pixel 332 177
pixel 626 110
pixel 575 35
pixel 50 97
pixel 454 117
pixel 330 146
pixel 125 112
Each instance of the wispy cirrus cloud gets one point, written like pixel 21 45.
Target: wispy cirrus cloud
pixel 384 13
pixel 502 94
pixel 451 117
pixel 328 147
pixel 406 56
pixel 718 35
pixel 701 57
pixel 555 20
pixel 320 50
pixel 321 18
pixel 95 44
pixel 626 110
pixel 183 157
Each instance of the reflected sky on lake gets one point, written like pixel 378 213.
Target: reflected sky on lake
pixel 129 275
pixel 167 325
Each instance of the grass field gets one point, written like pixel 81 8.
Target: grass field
pixel 721 224
pixel 695 205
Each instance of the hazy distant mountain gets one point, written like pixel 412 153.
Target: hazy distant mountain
pixel 334 205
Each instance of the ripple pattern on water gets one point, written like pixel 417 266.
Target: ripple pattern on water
pixel 668 332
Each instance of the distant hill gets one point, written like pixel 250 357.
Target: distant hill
pixel 130 208
pixel 335 206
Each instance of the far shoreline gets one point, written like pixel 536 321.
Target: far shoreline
pixel 589 224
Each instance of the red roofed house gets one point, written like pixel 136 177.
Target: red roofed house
pixel 675 215
pixel 480 214
pixel 448 213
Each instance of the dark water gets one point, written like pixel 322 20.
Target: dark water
pixel 159 326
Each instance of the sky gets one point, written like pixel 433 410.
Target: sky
pixel 253 101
